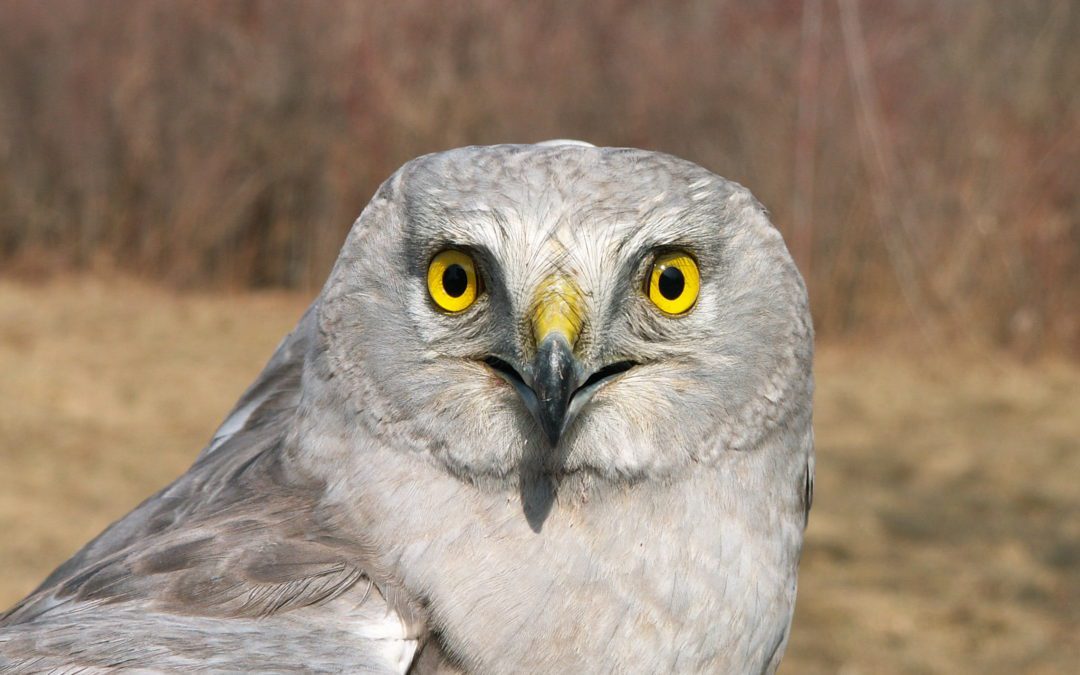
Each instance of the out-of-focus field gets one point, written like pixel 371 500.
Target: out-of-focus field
pixel 945 536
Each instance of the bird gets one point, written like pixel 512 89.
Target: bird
pixel 551 412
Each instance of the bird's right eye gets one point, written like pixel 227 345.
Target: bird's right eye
pixel 452 280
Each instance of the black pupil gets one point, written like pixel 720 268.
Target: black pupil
pixel 455 280
pixel 671 282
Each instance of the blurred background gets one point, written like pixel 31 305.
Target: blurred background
pixel 176 179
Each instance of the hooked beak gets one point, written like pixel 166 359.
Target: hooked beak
pixel 554 387
pixel 557 317
pixel 555 379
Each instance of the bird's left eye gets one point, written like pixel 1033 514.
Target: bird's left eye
pixel 674 282
pixel 452 280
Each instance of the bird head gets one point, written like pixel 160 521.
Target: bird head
pixel 613 313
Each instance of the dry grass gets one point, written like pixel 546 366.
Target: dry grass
pixel 945 536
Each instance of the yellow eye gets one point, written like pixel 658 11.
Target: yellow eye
pixel 452 281
pixel 674 282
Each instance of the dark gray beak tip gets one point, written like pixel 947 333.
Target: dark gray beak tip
pixel 550 433
pixel 554 381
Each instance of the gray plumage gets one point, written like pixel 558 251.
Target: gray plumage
pixel 386 496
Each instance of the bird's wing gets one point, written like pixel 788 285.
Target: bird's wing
pixel 235 566
pixel 260 587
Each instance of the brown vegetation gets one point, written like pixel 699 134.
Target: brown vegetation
pixel 944 536
pixel 917 154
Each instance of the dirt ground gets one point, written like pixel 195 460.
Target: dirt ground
pixel 945 535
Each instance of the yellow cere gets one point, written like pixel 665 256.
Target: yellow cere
pixel 452 281
pixel 674 282
pixel 558 308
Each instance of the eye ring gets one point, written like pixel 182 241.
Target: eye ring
pixel 673 283
pixel 452 281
